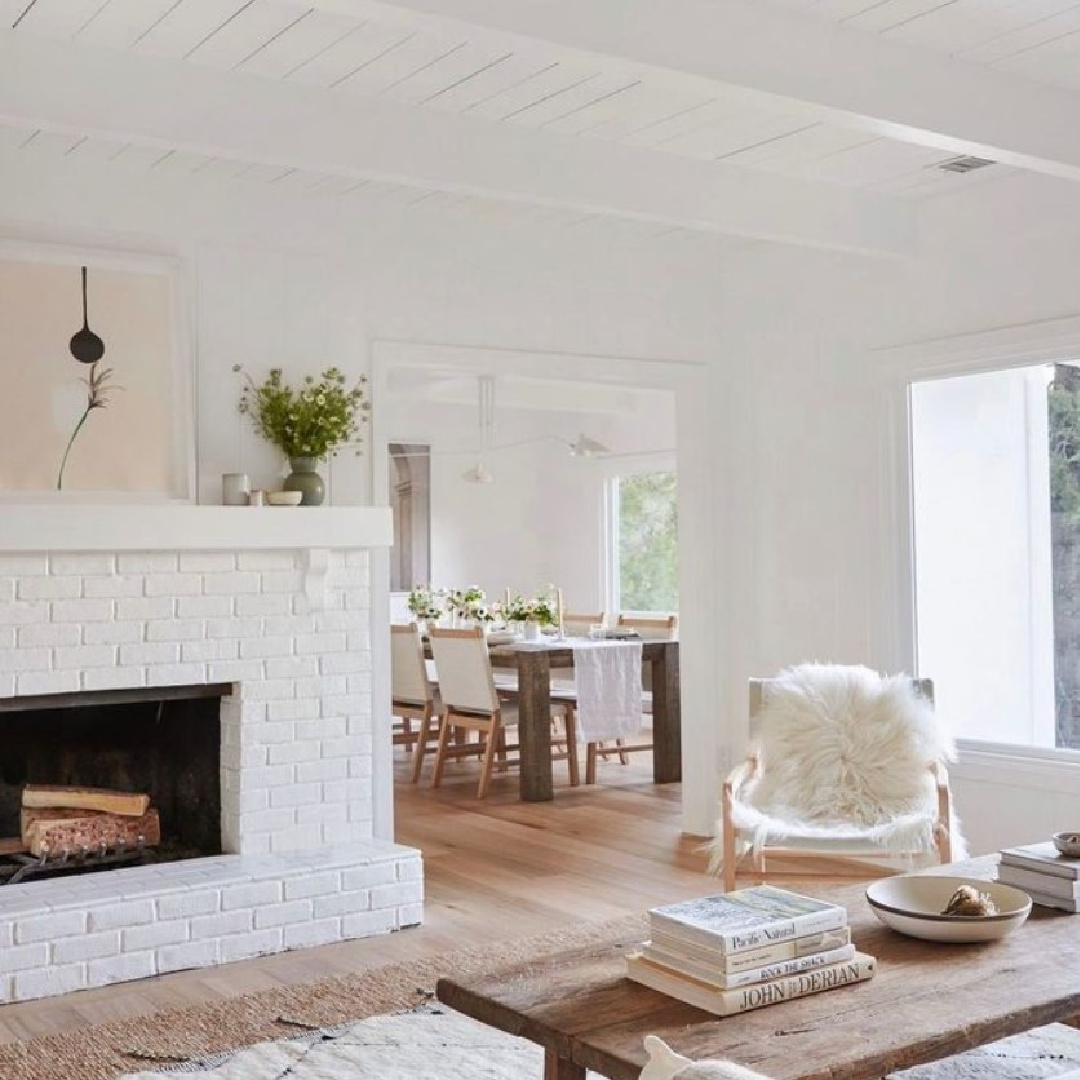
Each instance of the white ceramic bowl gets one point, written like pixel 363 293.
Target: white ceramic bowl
pixel 284 498
pixel 1068 843
pixel 913 903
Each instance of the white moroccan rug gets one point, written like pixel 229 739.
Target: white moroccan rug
pixel 437 1044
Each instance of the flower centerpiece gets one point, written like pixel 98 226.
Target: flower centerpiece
pixel 425 605
pixel 469 605
pixel 535 613
pixel 306 425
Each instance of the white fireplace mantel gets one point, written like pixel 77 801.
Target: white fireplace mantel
pixel 70 527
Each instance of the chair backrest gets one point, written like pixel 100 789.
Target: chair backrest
pixel 844 743
pixel 923 687
pixel 408 674
pixel 463 666
pixel 575 624
pixel 651 626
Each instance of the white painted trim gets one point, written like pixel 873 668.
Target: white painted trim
pixel 170 527
pixel 182 400
pixel 1045 771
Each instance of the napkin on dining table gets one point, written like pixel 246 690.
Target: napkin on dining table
pixel 608 679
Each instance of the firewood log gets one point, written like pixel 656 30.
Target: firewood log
pixel 74 833
pixel 50 796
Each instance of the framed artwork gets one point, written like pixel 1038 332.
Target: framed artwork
pixel 96 394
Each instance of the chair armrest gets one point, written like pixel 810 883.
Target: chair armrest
pixel 741 774
pixel 941 780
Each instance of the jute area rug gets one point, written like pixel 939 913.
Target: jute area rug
pixel 178 1036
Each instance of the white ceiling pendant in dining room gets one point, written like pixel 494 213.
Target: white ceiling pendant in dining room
pixel 480 473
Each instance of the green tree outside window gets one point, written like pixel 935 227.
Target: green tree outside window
pixel 648 542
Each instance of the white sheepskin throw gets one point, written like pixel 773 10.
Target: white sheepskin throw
pixel 665 1064
pixel 845 753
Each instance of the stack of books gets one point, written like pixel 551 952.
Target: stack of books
pixel 747 949
pixel 1048 877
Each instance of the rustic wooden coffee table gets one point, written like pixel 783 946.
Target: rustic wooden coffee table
pixel 926 1002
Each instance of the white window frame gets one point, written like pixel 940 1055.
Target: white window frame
pixel 1049 342
pixel 613 470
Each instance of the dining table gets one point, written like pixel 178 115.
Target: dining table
pixel 534 663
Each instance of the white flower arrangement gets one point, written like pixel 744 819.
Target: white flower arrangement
pixel 425 602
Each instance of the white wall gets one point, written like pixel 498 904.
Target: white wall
pixel 541 520
pixel 789 444
pixel 818 517
pixel 302 282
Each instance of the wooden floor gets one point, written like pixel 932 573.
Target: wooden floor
pixel 500 869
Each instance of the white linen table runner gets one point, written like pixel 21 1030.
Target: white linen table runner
pixel 608 678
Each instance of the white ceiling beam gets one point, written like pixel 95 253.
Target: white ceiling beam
pixel 797 62
pixel 58 86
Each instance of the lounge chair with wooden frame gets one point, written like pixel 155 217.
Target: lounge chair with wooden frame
pixel 471 702
pixel 840 856
pixel 647 627
pixel 412 695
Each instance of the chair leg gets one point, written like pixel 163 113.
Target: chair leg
pixel 591 750
pixel 440 752
pixel 420 749
pixel 624 757
pixel 573 765
pixel 494 736
pixel 408 738
pixel 728 849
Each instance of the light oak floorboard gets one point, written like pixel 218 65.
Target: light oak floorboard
pixel 496 869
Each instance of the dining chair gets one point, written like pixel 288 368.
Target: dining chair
pixel 817 788
pixel 413 696
pixel 472 702
pixel 649 628
pixel 576 624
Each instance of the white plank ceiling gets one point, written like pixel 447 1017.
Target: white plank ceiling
pixel 1036 38
pixel 536 85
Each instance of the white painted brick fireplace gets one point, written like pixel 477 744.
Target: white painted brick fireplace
pixel 275 603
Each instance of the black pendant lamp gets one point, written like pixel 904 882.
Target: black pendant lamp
pixel 86 346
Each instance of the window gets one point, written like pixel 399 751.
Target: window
pixel 996 497
pixel 645 542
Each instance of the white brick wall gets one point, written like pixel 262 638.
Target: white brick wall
pixel 100 622
pixel 301 868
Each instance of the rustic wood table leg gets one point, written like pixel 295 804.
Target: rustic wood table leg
pixel 558 1068
pixel 667 715
pixel 534 725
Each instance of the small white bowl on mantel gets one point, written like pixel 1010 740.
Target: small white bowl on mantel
pixel 284 498
pixel 912 904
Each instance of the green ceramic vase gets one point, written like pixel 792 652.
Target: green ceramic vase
pixel 305 478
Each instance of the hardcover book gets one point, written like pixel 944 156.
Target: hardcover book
pixel 733 963
pixel 1047 900
pixel 1042 857
pixel 748 918
pixel 724 981
pixel 729 1002
pixel 1047 884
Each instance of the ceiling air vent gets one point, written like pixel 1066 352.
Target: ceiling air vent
pixel 964 163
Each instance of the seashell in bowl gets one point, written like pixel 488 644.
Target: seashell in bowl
pixel 1068 843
